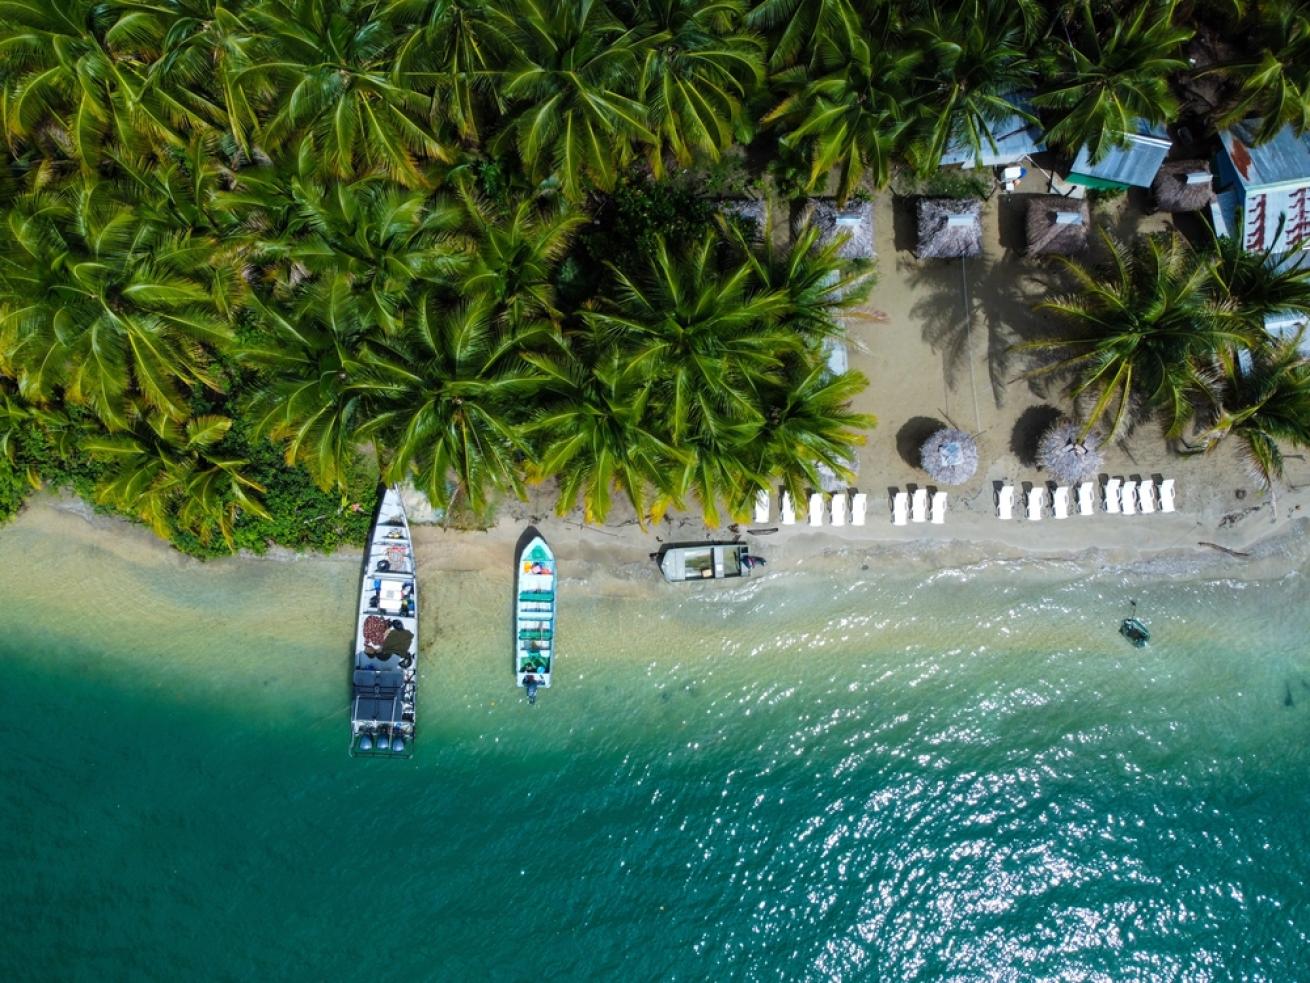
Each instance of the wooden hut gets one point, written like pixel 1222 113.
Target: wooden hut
pixel 949 228
pixel 853 221
pixel 1183 186
pixel 1057 225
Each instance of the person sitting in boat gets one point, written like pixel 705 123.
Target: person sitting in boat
pixel 397 640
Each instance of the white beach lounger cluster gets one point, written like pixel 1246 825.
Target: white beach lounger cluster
pixel 837 509
pixel 918 506
pixel 1130 496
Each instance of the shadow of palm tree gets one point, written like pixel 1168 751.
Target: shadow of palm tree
pixel 910 438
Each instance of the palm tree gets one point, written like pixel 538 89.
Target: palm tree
pixel 177 476
pixel 977 60
pixel 320 70
pixel 812 33
pixel 1263 406
pixel 1110 73
pixel 74 76
pixel 106 307
pixel 852 119
pixel 1144 329
pixel 809 422
pixel 570 92
pixel 445 404
pixel 598 432
pixel 697 68
pixel 706 336
pixel 1251 286
pixel 1275 82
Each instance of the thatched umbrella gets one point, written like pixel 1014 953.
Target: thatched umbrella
pixel 1057 225
pixel 949 228
pixel 1183 186
pixel 949 456
pixel 1068 459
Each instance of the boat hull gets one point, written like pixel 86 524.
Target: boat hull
pixel 683 562
pixel 384 657
pixel 535 581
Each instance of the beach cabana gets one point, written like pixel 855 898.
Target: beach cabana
pixel 1183 186
pixel 853 220
pixel 1132 166
pixel 949 456
pixel 1066 458
pixel 1057 225
pixel 1007 140
pixel 1265 190
pixel 949 228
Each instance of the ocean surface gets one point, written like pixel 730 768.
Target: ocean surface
pixel 835 771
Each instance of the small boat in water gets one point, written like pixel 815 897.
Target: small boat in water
pixel 1135 630
pixel 534 616
pixel 680 562
pixel 385 654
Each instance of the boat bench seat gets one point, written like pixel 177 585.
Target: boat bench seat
pixel 536 595
pixel 535 634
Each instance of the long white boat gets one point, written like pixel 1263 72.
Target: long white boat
pixel 534 617
pixel 385 673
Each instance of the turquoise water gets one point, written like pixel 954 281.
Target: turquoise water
pixel 830 773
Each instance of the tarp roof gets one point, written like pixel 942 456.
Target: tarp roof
pixel 1284 159
pixel 1134 165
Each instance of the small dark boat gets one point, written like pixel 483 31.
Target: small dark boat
pixel 1135 630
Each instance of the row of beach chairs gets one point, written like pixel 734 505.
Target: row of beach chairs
pixel 1118 497
pixel 906 507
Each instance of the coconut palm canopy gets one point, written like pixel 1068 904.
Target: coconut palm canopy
pixel 949 228
pixel 949 456
pixel 1067 456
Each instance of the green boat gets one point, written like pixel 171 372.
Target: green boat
pixel 534 617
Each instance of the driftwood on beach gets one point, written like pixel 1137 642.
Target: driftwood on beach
pixel 1224 549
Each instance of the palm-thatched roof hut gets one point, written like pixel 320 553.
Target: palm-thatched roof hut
pixel 747 212
pixel 1057 225
pixel 1068 459
pixel 1183 186
pixel 949 456
pixel 854 220
pixel 949 228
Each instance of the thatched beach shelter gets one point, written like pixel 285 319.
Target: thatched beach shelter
pixel 747 212
pixel 1183 186
pixel 949 228
pixel 1068 459
pixel 949 456
pixel 853 220
pixel 1057 225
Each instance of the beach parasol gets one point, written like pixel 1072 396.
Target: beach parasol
pixel 949 456
pixel 1068 459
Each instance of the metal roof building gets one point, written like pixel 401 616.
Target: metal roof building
pixel 1013 137
pixel 1133 166
pixel 1266 189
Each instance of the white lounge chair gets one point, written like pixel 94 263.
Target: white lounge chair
pixel 839 509
pixel 1085 498
pixel 1112 495
pixel 859 506
pixel 1061 502
pixel 1005 502
pixel 1130 497
pixel 1167 495
pixel 1146 496
pixel 788 511
pixel 761 506
pixel 816 509
pixel 900 509
pixel 919 505
pixel 938 507
pixel 1036 498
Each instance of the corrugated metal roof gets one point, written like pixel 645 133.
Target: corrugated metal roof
pixel 1014 136
pixel 1284 159
pixel 1132 166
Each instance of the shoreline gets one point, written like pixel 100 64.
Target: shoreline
pixel 1173 544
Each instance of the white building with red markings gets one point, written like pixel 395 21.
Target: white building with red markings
pixel 1264 190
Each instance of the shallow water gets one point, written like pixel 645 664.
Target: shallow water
pixel 826 773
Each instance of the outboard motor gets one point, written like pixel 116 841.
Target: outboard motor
pixel 384 742
pixel 365 742
pixel 530 686
pixel 398 744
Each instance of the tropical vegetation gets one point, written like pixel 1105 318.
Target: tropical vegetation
pixel 257 253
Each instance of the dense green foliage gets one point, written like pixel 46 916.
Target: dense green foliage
pixel 460 239
pixel 1169 329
